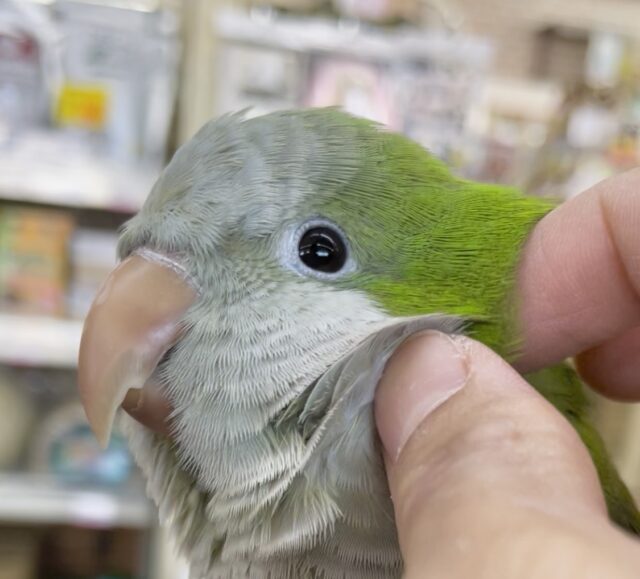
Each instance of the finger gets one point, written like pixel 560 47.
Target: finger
pixel 579 281
pixel 487 479
pixel 614 368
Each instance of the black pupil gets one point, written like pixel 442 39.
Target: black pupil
pixel 322 249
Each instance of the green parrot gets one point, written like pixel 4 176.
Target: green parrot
pixel 275 266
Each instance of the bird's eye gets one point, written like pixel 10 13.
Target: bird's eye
pixel 317 248
pixel 323 249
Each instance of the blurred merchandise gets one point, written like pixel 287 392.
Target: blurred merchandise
pixel 360 88
pixel 87 94
pixel 23 95
pixel 263 79
pixel 294 5
pixel 16 418
pixel 34 263
pixel 597 132
pixel 84 106
pixel 605 55
pixel 120 76
pixel 438 100
pixel 93 256
pixel 514 120
pixel 18 553
pixel 424 82
pixel 87 99
pixel 71 552
pixel 47 266
pixel 44 430
pixel 373 11
pixel 379 11
pixel 65 446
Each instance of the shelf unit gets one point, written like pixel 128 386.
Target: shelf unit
pixel 35 170
pixel 78 180
pixel 298 34
pixel 30 499
pixel 39 341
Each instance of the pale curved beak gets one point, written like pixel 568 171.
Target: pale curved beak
pixel 134 320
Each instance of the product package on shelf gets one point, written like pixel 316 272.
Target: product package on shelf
pixel 44 434
pixel 34 263
pixel 437 100
pixel 263 80
pixel 23 95
pixel 358 87
pixel 120 76
pixel 65 447
pixel 87 93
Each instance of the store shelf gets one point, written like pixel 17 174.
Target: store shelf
pixel 324 35
pixel 39 341
pixel 43 168
pixel 32 499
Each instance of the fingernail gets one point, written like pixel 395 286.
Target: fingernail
pixel 423 374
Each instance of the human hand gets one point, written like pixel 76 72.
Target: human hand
pixel 488 480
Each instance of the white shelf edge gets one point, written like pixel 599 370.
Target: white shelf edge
pixel 45 197
pixel 325 36
pixel 31 499
pixel 40 168
pixel 39 341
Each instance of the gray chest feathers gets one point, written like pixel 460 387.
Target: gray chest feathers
pixel 283 485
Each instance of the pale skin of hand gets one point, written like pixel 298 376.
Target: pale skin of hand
pixel 488 480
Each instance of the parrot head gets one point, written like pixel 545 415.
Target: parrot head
pixel 268 249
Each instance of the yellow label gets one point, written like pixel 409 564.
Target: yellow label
pixel 83 106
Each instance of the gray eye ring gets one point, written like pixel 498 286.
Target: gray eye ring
pixel 325 230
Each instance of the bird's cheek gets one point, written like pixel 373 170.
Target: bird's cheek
pixel 134 320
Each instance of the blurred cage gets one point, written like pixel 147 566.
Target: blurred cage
pixel 96 94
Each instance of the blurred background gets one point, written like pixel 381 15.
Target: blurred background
pixel 96 95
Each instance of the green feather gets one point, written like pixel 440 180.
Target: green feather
pixel 425 241
pixel 428 242
pixel 562 387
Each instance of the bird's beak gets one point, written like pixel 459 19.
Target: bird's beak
pixel 134 320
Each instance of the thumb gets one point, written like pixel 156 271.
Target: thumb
pixel 487 478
